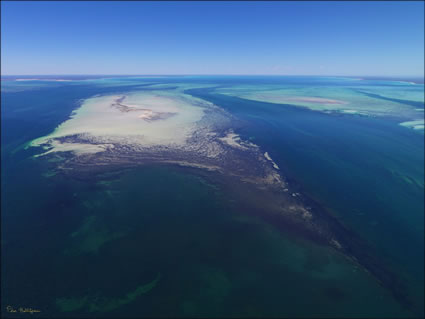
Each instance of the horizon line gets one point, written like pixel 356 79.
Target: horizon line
pixel 123 74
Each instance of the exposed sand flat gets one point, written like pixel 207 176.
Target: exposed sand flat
pixel 146 119
pixel 317 100
pixel 234 140
pixel 267 156
pixel 275 97
pixel 77 148
pixel 416 124
pixel 145 109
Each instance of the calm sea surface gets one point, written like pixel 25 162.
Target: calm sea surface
pixel 157 241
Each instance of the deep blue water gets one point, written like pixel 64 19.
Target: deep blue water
pixel 212 260
pixel 367 171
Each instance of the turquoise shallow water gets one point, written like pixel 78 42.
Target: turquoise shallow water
pixel 157 241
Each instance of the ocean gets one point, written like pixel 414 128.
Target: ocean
pixel 162 241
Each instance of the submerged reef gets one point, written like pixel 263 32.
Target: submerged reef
pixel 98 303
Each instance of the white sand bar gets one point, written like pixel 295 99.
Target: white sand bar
pixel 143 118
pixel 416 124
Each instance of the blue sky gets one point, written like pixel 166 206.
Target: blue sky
pixel 300 38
